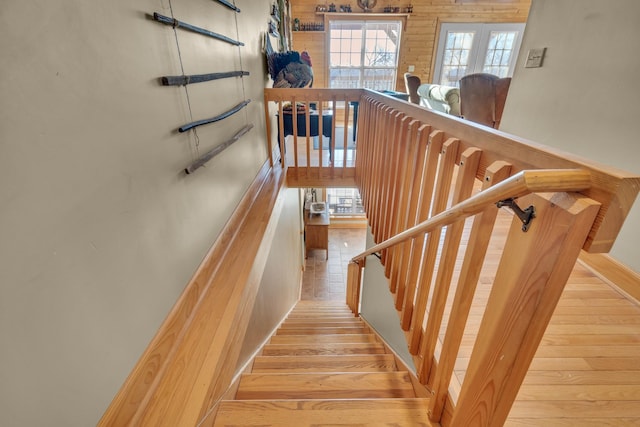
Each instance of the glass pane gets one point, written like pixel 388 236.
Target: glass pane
pixel 344 78
pixel 367 45
pixel 456 57
pixel 497 59
pixel 344 201
pixel 379 78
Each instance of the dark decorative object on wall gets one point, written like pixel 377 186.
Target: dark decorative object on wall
pixel 222 116
pixel 216 150
pixel 179 24
pixel 198 78
pixel 185 80
pixel 289 69
pixel 367 5
pixel 229 5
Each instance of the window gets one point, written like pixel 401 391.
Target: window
pixel 364 54
pixel 344 201
pixel 476 48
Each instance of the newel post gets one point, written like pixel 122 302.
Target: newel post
pixel 354 282
pixel 533 271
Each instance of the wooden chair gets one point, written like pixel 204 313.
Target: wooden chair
pixel 482 98
pixel 411 83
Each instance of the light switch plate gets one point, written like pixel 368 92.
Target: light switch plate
pixel 535 57
pixel 411 68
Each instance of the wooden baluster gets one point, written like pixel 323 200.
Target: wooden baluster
pixel 394 211
pixel 394 148
pixel 389 152
pixel 469 274
pixel 374 150
pixel 409 166
pixel 378 124
pixel 320 153
pixel 354 283
pixel 307 121
pixel 530 279
pixel 382 167
pixel 332 140
pixel 365 152
pixel 281 136
pixel 424 202
pixel 415 174
pixel 267 119
pixel 443 185
pixel 346 138
pixel 469 162
pixel 294 119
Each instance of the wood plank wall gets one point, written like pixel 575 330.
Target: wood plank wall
pixel 421 33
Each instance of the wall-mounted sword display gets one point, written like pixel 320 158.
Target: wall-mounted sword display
pixel 229 5
pixel 216 150
pixel 222 116
pixel 179 24
pixel 198 78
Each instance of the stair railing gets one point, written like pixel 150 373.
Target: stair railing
pixel 427 181
pixel 507 319
pixel 321 118
pixel 430 184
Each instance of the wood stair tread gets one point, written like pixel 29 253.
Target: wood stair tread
pixel 308 413
pixel 323 330
pixel 331 338
pixel 340 363
pixel 322 348
pixel 324 367
pixel 322 320
pixel 313 324
pixel 349 385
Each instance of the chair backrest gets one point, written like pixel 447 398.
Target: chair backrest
pixel 411 83
pixel 482 98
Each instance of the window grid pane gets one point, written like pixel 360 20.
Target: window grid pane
pixel 344 201
pixel 499 52
pixel 363 54
pixel 456 57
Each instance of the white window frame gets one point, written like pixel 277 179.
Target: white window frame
pixel 480 44
pixel 334 197
pixel 362 67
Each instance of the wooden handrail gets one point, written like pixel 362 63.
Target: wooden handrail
pixel 524 182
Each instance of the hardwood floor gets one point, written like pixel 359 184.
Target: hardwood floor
pixel 327 279
pixel 587 369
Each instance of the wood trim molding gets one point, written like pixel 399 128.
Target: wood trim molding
pixel 613 272
pixel 217 303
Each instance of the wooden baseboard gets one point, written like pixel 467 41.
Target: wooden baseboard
pixel 348 223
pixel 206 325
pixel 614 272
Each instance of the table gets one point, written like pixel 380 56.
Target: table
pixel 287 120
pixel 316 234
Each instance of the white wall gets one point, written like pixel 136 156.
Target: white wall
pixel 280 286
pixel 100 230
pixel 586 97
pixel 377 306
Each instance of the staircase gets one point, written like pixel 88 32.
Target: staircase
pixel 324 367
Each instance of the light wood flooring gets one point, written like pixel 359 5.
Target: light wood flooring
pixel 325 280
pixel 587 369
